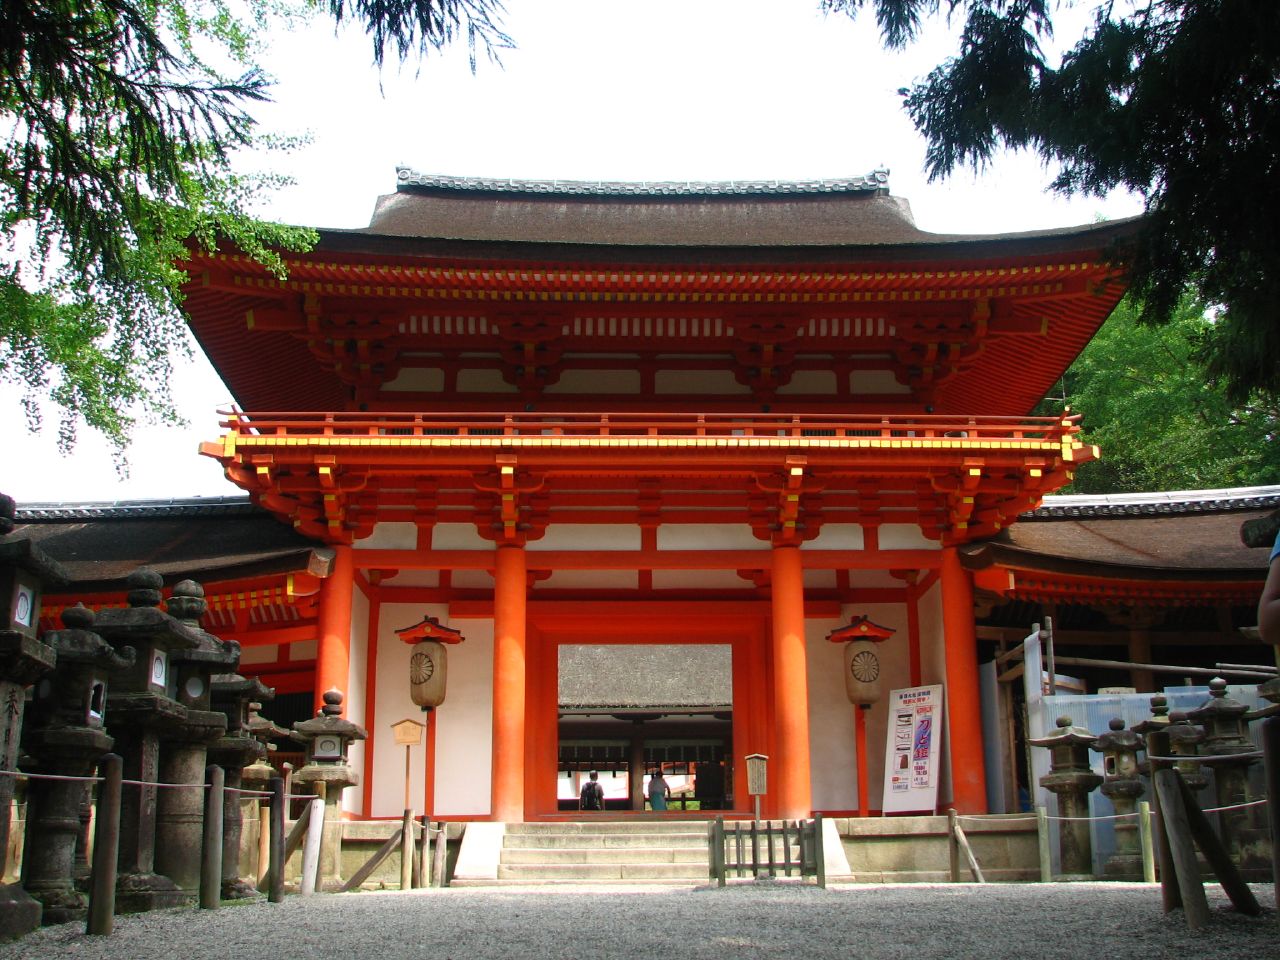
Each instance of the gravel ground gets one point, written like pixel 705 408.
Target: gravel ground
pixel 772 919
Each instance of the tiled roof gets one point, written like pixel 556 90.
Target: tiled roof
pixel 1156 504
pixel 876 180
pixel 135 509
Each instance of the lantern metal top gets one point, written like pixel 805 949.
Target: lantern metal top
pixel 429 628
pixel 861 628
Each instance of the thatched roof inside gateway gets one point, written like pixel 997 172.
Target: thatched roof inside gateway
pixel 627 677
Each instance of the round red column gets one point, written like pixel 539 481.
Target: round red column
pixel 968 768
pixel 509 600
pixel 790 765
pixel 333 649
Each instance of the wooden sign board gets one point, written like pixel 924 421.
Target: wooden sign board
pixel 408 732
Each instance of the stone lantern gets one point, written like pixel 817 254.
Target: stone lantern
pixel 1184 741
pixel 24 659
pixel 258 775
pixel 328 738
pixel 143 705
pixel 427 665
pixel 1071 777
pixel 65 737
pixel 236 749
pixel 1122 785
pixel 1226 731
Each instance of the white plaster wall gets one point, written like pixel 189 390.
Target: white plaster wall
pixel 400 535
pixel 837 536
pixel 473 579
pixel 832 758
pixel 464 735
pixel 458 536
pixel 484 381
pixel 266 653
pixel 596 381
pixel 589 580
pixel 709 536
pixel 353 798
pixel 819 579
pixel 416 379
pixel 463 722
pixel 708 382
pixel 904 536
pixel 810 381
pixel 414 578
pixel 895 674
pixel 586 536
pixel 876 381
pixel 700 579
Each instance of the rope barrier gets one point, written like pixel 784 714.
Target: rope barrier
pixel 23 775
pixel 1222 758
pixel 1235 806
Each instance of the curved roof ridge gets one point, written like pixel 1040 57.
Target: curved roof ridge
pixel 876 180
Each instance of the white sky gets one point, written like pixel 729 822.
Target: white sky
pixel 597 90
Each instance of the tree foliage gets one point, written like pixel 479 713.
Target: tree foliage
pixel 1145 401
pixel 1177 100
pixel 120 122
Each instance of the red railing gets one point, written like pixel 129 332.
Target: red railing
pixel 925 426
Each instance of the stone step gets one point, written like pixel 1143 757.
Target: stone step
pixel 603 841
pixel 589 872
pixel 612 855
pixel 636 827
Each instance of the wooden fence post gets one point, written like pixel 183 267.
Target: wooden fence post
pixel 106 848
pixel 311 851
pixel 211 847
pixel 1042 841
pixel 275 891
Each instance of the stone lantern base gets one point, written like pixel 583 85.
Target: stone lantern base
pixel 19 914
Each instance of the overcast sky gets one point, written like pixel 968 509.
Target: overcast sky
pixel 596 90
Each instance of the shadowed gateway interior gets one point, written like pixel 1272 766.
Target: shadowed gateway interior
pixel 627 709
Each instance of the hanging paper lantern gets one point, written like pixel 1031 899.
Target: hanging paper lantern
pixel 427 673
pixel 861 659
pixel 862 672
pixel 427 663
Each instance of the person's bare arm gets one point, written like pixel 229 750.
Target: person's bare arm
pixel 1269 606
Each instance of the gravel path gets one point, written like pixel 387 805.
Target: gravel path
pixel 1086 921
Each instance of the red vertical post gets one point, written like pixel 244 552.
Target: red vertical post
pixel 790 687
pixel 860 744
pixel 333 652
pixel 509 681
pixel 964 711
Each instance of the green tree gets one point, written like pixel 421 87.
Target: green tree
pixel 1146 402
pixel 120 119
pixel 1177 100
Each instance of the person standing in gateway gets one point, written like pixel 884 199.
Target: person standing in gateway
pixel 592 797
pixel 658 791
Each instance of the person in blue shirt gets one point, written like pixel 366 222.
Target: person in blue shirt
pixel 1269 605
pixel 658 791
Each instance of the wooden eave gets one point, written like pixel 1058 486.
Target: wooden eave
pixel 989 305
pixel 1021 575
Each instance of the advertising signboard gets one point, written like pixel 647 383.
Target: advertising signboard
pixel 912 748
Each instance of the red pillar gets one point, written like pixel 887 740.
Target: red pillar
pixel 509 599
pixel 968 769
pixel 790 765
pixel 333 650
